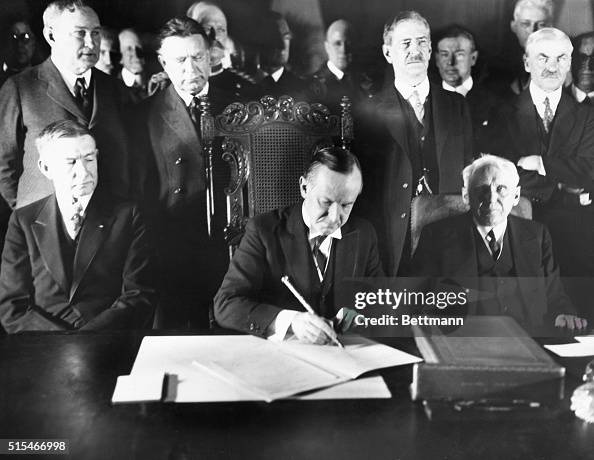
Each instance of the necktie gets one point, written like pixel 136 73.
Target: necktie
pixel 415 101
pixel 77 217
pixel 493 245
pixel 318 254
pixel 194 109
pixel 548 115
pixel 82 96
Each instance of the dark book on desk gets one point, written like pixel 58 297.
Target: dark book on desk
pixel 489 358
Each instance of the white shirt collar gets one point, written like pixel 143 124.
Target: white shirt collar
pixel 580 95
pixel 70 78
pixel 538 97
pixel 498 230
pixel 406 90
pixel 187 97
pixel 277 74
pixel 335 70
pixel 130 78
pixel 67 209
pixel 462 89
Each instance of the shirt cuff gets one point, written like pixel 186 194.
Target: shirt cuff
pixel 281 325
pixel 541 168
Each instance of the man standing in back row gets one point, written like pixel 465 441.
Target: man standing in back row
pixel 426 139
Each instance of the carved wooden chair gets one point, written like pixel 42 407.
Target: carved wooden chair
pixel 267 144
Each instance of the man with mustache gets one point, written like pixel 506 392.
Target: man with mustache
pixel 168 140
pixel 65 86
pixel 425 138
pixel 550 137
pixel 507 259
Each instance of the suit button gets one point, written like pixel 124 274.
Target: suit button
pixel 252 326
pixel 405 185
pixel 178 190
pixel 178 161
pixel 403 215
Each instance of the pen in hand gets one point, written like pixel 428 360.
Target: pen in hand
pixel 285 280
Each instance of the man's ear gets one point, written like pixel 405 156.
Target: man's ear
pixel 473 58
pixel 42 165
pixel 386 51
pixel 465 196
pixel 161 61
pixel 48 34
pixel 303 186
pixel 517 195
pixel 526 64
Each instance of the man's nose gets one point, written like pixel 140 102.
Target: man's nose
pixel 452 60
pixel 334 213
pixel 79 169
pixel 89 40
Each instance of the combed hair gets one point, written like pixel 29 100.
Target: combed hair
pixel 182 26
pixel 57 7
pixel 490 160
pixel 335 158
pixel 108 33
pixel 455 31
pixel 58 130
pixel 548 33
pixel 409 15
pixel 546 5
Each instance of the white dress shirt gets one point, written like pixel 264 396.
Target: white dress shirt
pixel 68 209
pixel 498 230
pixel 70 78
pixel 406 90
pixel 538 98
pixel 335 70
pixel 580 95
pixel 187 97
pixel 130 78
pixel 462 89
pixel 277 74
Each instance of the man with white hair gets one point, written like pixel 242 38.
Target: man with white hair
pixel 507 259
pixel 550 137
pixel 65 86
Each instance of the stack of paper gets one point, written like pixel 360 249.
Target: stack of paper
pixel 247 368
pixel 584 347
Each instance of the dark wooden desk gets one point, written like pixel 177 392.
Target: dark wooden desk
pixel 60 385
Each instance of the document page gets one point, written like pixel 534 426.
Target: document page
pixel 358 356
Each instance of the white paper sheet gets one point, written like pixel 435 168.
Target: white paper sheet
pixel 585 338
pixel 175 354
pixel 365 388
pixel 572 350
pixel 139 387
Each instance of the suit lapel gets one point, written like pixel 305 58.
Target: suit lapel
pixel 297 255
pixel 441 120
pixel 563 124
pixel 92 234
pixel 102 102
pixel 394 115
pixel 57 89
pixel 522 125
pixel 45 232
pixel 345 262
pixel 177 118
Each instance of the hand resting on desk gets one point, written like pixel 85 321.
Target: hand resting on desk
pixel 310 328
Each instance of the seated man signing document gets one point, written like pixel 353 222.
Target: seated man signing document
pixel 314 243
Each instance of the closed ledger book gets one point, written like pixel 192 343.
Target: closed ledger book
pixel 490 358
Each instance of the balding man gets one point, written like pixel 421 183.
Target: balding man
pixel 508 76
pixel 338 77
pixel 508 260
pixel 222 76
pixel 65 86
pixel 550 137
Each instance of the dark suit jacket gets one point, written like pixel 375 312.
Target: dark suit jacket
pixel 324 87
pixel 481 104
pixel 388 181
pixel 275 244
pixel 288 84
pixel 447 249
pixel 37 97
pixel 569 158
pixel 112 281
